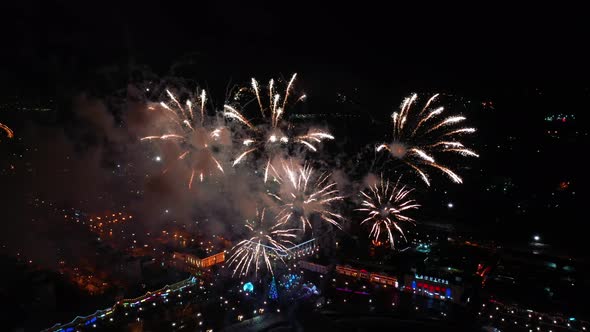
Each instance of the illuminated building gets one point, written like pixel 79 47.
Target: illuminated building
pixel 364 274
pixel 192 263
pixel 438 288
pixel 322 269
pixel 212 260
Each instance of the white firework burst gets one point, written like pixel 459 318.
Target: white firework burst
pixel 273 135
pixel 419 138
pixel 194 135
pixel 304 193
pixel 266 243
pixel 385 205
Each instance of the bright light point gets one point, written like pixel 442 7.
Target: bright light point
pixel 248 287
pixel 166 211
pixel 536 238
pixel 158 158
pixel 450 205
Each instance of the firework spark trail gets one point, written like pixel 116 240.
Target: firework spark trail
pixel 7 130
pixel 255 88
pixel 266 242
pixel 417 141
pixel 203 101
pixel 193 134
pixel 385 205
pixel 163 137
pixel 303 194
pixel 240 157
pixel 272 136
pixel 289 89
pixel 234 114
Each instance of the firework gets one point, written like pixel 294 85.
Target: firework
pixel 273 135
pixel 419 137
pixel 385 205
pixel 303 194
pixel 7 130
pixel 194 135
pixel 267 242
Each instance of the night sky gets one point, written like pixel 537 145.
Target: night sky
pixel 529 61
pixel 404 46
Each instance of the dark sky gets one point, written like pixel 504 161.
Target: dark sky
pixel 483 45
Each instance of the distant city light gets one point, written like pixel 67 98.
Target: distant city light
pixel 450 205
pixel 560 117
pixel 536 238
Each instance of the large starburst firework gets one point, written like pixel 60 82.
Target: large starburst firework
pixel 303 193
pixel 267 242
pixel 385 205
pixel 274 135
pixel 193 133
pixel 418 138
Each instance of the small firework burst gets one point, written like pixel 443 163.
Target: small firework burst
pixel 303 194
pixel 385 205
pixel 266 243
pixel 195 135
